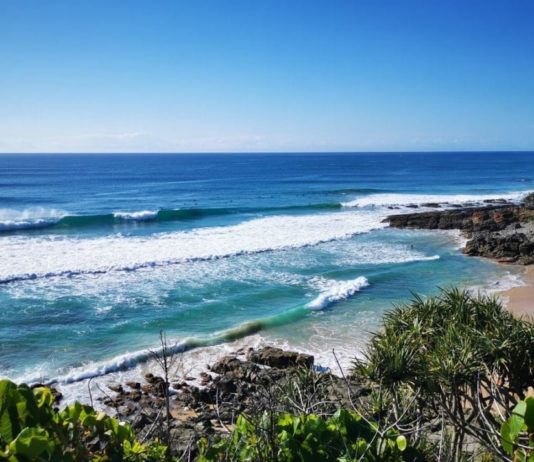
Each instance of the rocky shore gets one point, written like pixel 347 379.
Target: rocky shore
pixel 248 381
pixel 499 230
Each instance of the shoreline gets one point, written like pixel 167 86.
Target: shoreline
pixel 520 300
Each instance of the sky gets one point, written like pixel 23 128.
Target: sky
pixel 266 75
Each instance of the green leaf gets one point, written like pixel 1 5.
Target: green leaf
pixel 529 413
pixel 44 397
pixel 516 424
pixel 31 442
pixel 506 439
pixel 88 420
pixel 9 419
pixel 401 442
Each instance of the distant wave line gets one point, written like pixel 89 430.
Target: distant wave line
pixel 139 217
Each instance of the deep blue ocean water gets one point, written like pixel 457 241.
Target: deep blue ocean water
pixel 101 252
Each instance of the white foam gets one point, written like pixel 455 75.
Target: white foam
pixel 499 284
pixel 399 200
pixel 141 215
pixel 375 253
pixel 35 217
pixel 336 291
pixel 27 257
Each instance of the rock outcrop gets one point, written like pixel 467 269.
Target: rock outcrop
pixel 500 230
pixel 264 379
pixel 276 357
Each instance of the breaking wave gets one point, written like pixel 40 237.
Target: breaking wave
pixel 143 215
pixel 13 220
pixel 31 218
pixel 430 200
pixel 338 290
pixel 28 258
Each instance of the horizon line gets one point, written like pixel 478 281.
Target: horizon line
pixel 456 151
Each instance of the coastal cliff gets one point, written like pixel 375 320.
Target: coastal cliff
pixel 499 230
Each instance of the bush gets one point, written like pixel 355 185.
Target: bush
pixel 465 361
pixel 32 430
pixel 345 436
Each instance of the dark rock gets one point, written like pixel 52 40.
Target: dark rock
pixel 489 218
pixel 134 385
pixel 528 201
pixel 205 378
pixel 234 367
pixel 501 231
pixel 226 384
pixel 203 395
pixel 117 388
pixel 276 357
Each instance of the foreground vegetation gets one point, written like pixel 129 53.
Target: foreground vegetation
pixel 31 429
pixel 447 378
pixel 459 363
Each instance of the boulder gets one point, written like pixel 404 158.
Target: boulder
pixel 234 367
pixel 281 359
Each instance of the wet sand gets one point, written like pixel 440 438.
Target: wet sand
pixel 520 300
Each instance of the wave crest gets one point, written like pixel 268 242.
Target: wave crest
pixel 35 217
pixel 33 258
pixel 399 200
pixel 337 291
pixel 142 215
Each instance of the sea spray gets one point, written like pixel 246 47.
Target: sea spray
pixel 29 218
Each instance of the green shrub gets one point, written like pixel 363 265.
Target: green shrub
pixel 31 430
pixel 345 436
pixel 461 357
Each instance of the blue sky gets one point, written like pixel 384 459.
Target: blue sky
pixel 266 75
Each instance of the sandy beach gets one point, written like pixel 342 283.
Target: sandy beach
pixel 520 300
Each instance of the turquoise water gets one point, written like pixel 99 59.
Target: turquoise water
pixel 99 253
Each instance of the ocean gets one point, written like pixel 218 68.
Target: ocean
pixel 99 253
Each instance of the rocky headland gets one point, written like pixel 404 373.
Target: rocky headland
pixel 498 229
